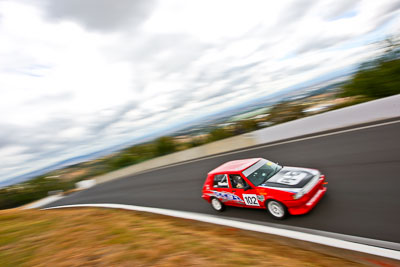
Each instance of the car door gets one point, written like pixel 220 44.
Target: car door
pixel 248 198
pixel 222 189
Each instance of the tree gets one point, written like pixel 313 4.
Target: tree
pixel 121 161
pixel 378 77
pixel 285 111
pixel 245 126
pixel 164 145
pixel 142 152
pixel 380 81
pixel 218 133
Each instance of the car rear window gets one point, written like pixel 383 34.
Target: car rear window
pixel 220 181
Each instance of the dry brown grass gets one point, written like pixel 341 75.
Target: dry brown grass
pixel 101 237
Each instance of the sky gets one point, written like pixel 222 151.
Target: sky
pixel 79 76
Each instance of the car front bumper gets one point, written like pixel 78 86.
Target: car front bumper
pixel 306 204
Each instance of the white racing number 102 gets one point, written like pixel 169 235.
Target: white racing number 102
pixel 251 199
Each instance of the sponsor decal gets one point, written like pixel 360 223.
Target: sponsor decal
pixel 292 178
pixel 260 198
pixel 227 196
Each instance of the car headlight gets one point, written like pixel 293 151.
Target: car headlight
pixel 298 195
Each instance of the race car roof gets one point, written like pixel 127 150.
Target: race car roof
pixel 235 166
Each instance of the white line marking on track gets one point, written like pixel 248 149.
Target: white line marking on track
pixel 328 241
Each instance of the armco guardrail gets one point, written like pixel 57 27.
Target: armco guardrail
pixel 381 109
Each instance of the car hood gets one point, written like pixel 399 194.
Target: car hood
pixel 291 178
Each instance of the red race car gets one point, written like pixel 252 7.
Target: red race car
pixel 259 183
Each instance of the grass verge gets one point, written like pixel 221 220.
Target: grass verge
pixel 102 237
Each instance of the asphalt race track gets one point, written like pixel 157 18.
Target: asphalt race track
pixel 361 166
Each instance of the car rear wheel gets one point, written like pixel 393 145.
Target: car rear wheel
pixel 217 205
pixel 276 209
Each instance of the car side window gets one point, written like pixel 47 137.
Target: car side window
pixel 220 181
pixel 237 181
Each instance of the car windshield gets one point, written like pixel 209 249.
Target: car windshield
pixel 260 172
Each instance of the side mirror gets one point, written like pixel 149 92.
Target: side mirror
pixel 247 187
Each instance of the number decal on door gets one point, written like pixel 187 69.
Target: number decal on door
pixel 251 199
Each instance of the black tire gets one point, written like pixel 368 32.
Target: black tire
pixel 217 205
pixel 276 209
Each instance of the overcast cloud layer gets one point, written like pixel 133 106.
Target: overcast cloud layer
pixel 80 76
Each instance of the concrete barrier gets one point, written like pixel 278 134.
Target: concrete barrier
pixel 380 109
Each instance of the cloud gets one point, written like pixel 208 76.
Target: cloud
pixel 294 11
pixel 339 9
pixel 112 117
pixel 320 42
pixel 82 76
pixel 50 99
pixel 101 15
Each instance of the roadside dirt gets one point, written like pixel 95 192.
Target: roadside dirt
pixel 101 237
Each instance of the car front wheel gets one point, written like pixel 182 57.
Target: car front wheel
pixel 276 209
pixel 217 205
